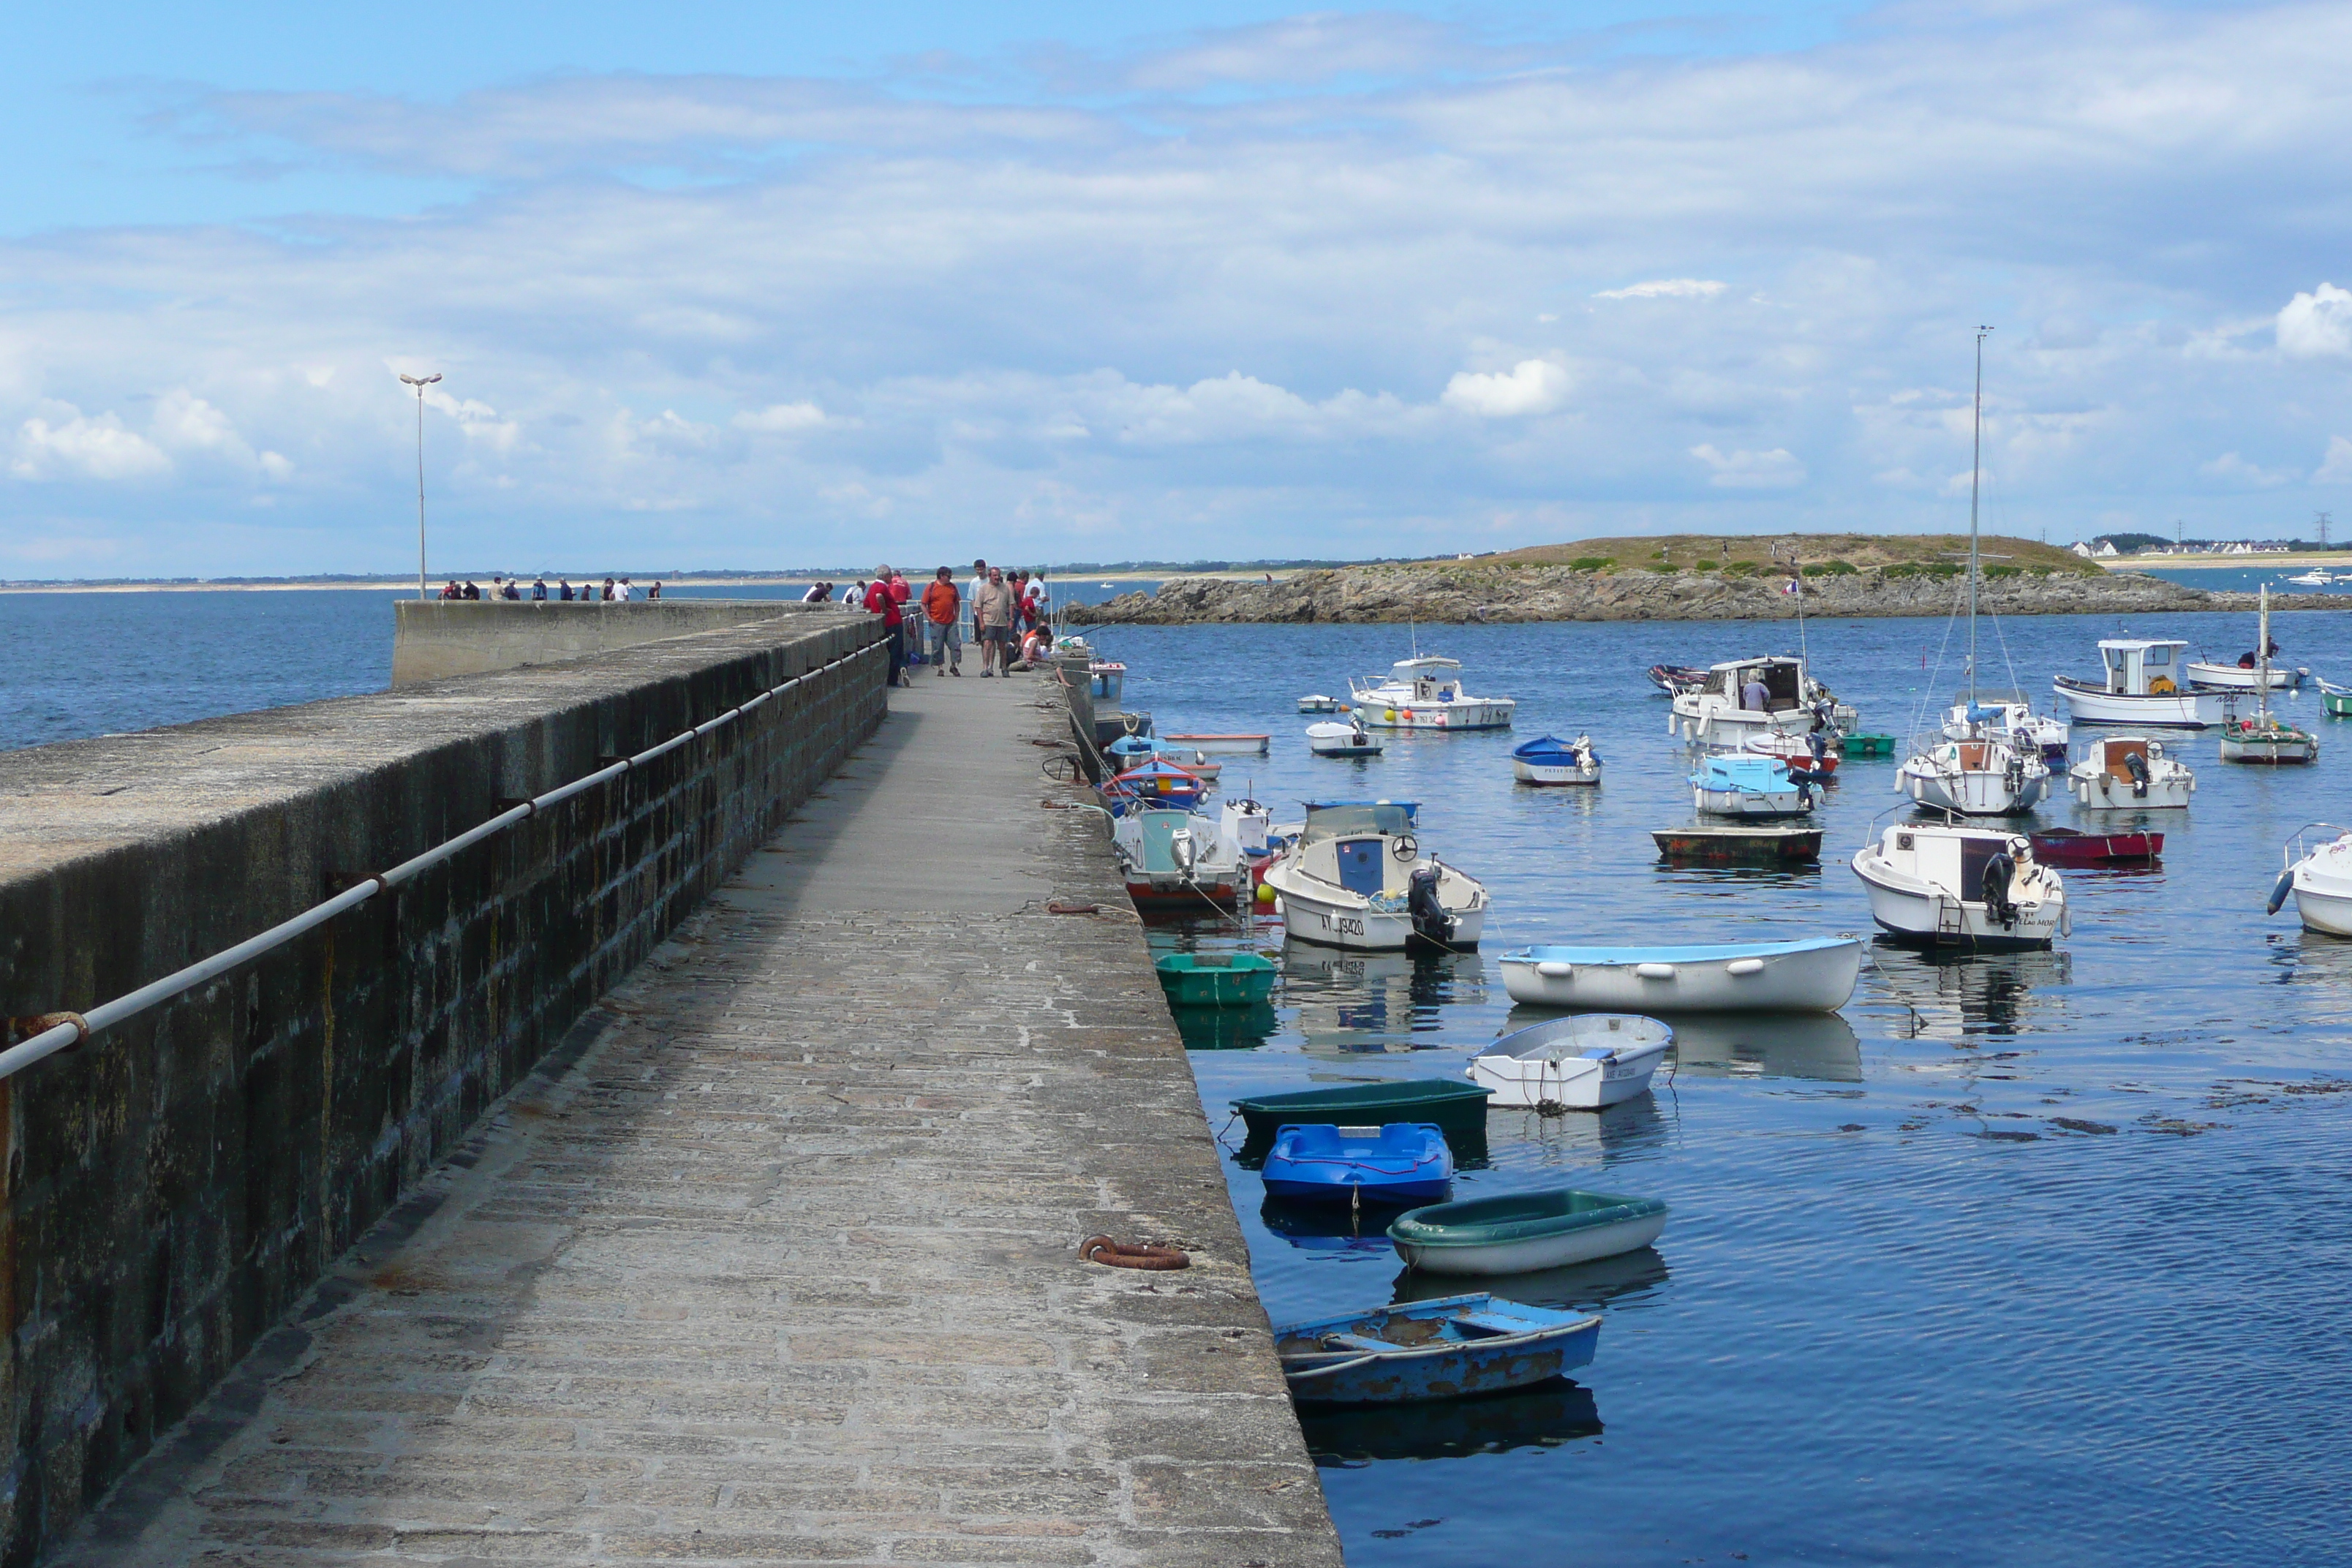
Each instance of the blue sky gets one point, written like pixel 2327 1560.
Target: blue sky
pixel 749 286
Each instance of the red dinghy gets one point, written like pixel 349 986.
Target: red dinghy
pixel 2065 847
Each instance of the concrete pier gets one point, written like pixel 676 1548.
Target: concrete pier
pixel 773 1260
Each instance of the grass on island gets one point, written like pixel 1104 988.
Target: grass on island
pixel 1820 555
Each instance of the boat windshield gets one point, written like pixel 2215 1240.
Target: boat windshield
pixel 1342 821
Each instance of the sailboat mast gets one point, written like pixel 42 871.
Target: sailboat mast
pixel 2262 662
pixel 1976 468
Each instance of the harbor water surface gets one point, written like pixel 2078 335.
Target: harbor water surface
pixel 2034 1257
pixel 2026 1258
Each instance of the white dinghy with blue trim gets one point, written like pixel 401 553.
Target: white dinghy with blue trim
pixel 1814 976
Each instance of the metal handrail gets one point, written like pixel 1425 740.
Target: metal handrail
pixel 79 1026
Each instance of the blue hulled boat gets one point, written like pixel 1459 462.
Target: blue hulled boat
pixel 1403 1162
pixel 1446 1349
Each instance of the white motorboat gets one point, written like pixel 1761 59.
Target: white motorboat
pixel 2143 689
pixel 2320 880
pixel 1975 778
pixel 2316 578
pixel 1956 886
pixel 1588 1062
pixel 1319 703
pixel 2011 716
pixel 2244 677
pixel 2264 739
pixel 1425 692
pixel 1356 878
pixel 1727 710
pixel 1814 976
pixel 1332 739
pixel 2130 772
pixel 1552 761
pixel 1742 784
pixel 1177 860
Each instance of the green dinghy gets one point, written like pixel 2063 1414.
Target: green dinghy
pixel 1519 1233
pixel 1215 979
pixel 1456 1109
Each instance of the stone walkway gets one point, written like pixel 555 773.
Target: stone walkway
pixel 774 1262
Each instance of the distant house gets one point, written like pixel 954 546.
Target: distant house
pixel 2082 549
pixel 2106 549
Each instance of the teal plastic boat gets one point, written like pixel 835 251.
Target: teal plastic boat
pixel 1215 979
pixel 1521 1232
pixel 1453 1108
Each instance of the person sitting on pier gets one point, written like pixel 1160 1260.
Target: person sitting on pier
pixel 606 593
pixel 473 589
pixel 451 590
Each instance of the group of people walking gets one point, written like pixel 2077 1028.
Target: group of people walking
pixel 1008 613
pixel 621 591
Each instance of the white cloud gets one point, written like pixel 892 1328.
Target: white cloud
pixel 1531 387
pixel 1666 288
pixel 187 424
pixel 2335 467
pixel 2318 324
pixel 2231 467
pixel 781 418
pixel 84 447
pixel 1775 469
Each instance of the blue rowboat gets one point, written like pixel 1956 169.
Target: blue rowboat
pixel 1403 1162
pixel 1446 1349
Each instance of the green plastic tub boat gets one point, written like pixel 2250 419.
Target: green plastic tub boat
pixel 1867 746
pixel 1453 1108
pixel 1522 1232
pixel 1215 979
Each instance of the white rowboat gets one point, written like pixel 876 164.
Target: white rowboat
pixel 1585 1063
pixel 1815 975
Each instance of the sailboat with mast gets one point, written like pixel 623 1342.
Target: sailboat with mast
pixel 1992 768
pixel 2265 738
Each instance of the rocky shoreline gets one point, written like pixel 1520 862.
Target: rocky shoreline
pixel 1471 592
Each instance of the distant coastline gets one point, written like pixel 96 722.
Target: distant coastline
pixel 397 586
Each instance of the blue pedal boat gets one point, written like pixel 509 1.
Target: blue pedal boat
pixel 1447 1349
pixel 1401 1162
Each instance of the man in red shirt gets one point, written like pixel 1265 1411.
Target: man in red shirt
pixel 941 604
pixel 882 601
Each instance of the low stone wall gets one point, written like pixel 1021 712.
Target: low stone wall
pixel 175 1185
pixel 435 638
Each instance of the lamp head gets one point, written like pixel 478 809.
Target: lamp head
pixel 421 382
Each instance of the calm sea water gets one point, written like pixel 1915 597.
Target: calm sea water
pixel 2029 1258
pixel 74 665
pixel 2024 1259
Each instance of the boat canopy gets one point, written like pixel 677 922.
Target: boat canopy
pixel 1783 679
pixel 1346 818
pixel 1408 669
pixel 2135 664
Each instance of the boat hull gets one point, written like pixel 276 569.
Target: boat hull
pixel 2323 910
pixel 1310 915
pixel 1477 714
pixel 1924 918
pixel 2104 792
pixel 1740 845
pixel 1765 806
pixel 1445 1369
pixel 2234 678
pixel 2165 710
pixel 1785 977
pixel 1733 726
pixel 2270 751
pixel 1549 773
pixel 1525 1257
pixel 1173 894
pixel 1574 1083
pixel 1972 793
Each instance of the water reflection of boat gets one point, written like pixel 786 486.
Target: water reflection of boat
pixel 1594 1284
pixel 1227 1028
pixel 1334 1227
pixel 1586 1139
pixel 1542 1417
pixel 1952 994
pixel 1353 1003
pixel 1821 1045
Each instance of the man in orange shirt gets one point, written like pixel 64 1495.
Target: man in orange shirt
pixel 941 606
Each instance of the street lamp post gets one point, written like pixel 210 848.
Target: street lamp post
pixel 420 383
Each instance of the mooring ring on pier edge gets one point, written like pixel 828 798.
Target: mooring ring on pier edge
pixel 1112 1254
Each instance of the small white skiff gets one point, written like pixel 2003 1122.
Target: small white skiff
pixel 1356 879
pixel 1587 1062
pixel 1815 975
pixel 1336 740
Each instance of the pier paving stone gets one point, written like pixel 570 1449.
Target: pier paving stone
pixel 781 1266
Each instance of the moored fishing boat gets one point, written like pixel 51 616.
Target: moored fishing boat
pixel 1425 692
pixel 1233 745
pixel 2334 700
pixel 1587 1062
pixel 1395 1163
pixel 1552 761
pixel 1816 974
pixel 2065 847
pixel 2130 772
pixel 1742 784
pixel 2143 688
pixel 1519 1233
pixel 1356 878
pixel 2319 879
pixel 1446 1349
pixel 2264 739
pixel 1747 697
pixel 1986 777
pixel 1173 858
pixel 1961 887
pixel 2010 717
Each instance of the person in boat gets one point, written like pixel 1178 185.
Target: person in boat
pixel 2250 660
pixel 1755 696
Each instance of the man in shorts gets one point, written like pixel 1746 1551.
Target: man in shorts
pixel 992 612
pixel 942 609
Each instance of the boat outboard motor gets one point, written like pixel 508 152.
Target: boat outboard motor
pixel 2000 879
pixel 1429 921
pixel 1184 852
pixel 2137 765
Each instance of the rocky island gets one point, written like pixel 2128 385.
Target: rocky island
pixel 1685 577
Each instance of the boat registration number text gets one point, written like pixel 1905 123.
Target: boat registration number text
pixel 1345 925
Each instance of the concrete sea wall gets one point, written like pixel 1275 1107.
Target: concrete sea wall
pixel 435 638
pixel 174 1185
